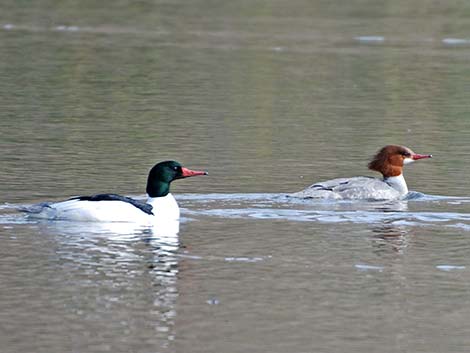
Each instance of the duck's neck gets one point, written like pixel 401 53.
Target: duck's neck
pixel 165 207
pixel 158 188
pixel 398 183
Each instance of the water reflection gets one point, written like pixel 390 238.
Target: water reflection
pixel 119 230
pixel 390 237
pixel 120 277
pixel 120 283
pixel 417 210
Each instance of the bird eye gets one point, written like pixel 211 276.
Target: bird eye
pixel 407 154
pixel 175 168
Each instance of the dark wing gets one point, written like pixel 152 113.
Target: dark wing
pixel 145 207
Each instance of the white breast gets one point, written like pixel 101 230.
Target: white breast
pixel 164 207
pixel 398 183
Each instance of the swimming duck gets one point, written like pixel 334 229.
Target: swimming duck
pixel 389 161
pixel 160 205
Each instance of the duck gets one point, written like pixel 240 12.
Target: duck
pixel 160 204
pixel 389 161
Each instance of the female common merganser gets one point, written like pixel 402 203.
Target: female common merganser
pixel 389 161
pixel 160 204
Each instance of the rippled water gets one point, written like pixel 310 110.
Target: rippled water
pixel 244 265
pixel 425 210
pixel 269 96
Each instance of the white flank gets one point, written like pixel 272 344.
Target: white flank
pixel 164 209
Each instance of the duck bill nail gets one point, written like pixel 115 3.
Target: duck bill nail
pixel 189 173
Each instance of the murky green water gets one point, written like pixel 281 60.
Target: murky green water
pixel 269 96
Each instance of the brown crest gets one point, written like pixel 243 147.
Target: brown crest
pixel 389 160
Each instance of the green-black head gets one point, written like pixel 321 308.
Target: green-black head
pixel 163 173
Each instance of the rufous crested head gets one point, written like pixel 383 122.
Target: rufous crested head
pixel 390 160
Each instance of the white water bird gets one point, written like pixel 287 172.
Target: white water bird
pixel 160 205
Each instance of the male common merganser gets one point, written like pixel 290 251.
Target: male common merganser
pixel 389 161
pixel 160 205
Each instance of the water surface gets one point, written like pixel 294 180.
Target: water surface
pixel 269 97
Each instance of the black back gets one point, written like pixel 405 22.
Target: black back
pixel 145 207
